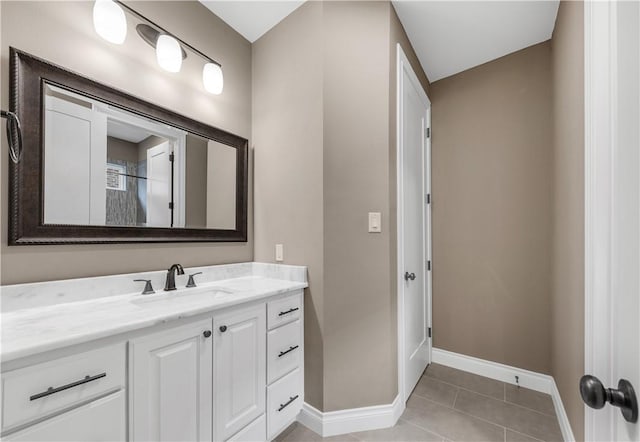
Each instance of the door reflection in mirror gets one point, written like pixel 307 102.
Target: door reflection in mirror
pixel 107 166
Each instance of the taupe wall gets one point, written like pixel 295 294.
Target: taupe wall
pixel 288 141
pixel 357 296
pixel 567 300
pixel 66 37
pixel 492 174
pixel 330 117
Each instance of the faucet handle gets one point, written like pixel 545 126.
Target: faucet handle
pixel 148 288
pixel 191 282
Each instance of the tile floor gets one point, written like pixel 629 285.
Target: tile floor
pixel 453 405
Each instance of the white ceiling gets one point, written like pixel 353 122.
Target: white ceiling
pixel 448 36
pixel 453 36
pixel 252 19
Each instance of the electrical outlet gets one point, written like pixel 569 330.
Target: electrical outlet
pixel 279 252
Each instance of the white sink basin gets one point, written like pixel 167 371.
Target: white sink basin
pixel 161 295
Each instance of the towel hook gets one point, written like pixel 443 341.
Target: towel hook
pixel 13 127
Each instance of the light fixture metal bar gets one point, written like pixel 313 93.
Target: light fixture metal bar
pixel 160 28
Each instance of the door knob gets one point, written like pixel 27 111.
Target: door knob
pixel 596 396
pixel 223 328
pixel 207 333
pixel 409 276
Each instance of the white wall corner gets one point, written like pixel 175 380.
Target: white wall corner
pixel 352 420
pixel 506 373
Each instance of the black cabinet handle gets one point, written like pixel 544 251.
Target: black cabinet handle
pixel 291 310
pixel 52 390
pixel 282 353
pixel 223 328
pixel 286 404
pixel 207 333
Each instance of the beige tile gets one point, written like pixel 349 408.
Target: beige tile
pixel 435 390
pixel 402 432
pixel 299 433
pixel 280 437
pixel 466 380
pixel 523 420
pixel 449 423
pixel 531 399
pixel 514 436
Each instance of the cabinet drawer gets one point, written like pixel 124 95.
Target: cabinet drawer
pixel 36 391
pixel 254 432
pixel 284 310
pixel 284 348
pixel 284 401
pixel 100 420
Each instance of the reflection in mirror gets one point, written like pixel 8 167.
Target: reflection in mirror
pixel 106 166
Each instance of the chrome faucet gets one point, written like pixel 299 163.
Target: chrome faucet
pixel 170 283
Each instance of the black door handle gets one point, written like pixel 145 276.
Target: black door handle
pixel 596 396
pixel 409 276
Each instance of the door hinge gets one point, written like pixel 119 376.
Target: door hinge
pixel 427 198
pixel 170 206
pixel 429 265
pixel 427 132
pixel 429 331
pixel 171 157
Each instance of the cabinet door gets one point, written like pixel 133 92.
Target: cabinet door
pixel 100 420
pixel 170 384
pixel 239 369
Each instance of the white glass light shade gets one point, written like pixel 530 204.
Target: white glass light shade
pixel 212 78
pixel 169 53
pixel 109 21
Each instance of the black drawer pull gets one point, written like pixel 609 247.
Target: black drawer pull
pixel 52 390
pixel 282 353
pixel 291 310
pixel 285 405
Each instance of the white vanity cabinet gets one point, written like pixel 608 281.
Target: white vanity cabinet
pixel 170 384
pixel 239 375
pixel 101 420
pixel 285 357
pixel 75 398
pixel 233 374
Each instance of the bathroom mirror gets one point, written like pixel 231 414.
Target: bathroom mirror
pixel 101 166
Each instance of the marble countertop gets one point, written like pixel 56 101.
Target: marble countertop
pixel 33 330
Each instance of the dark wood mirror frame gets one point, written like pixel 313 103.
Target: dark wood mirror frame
pixel 26 184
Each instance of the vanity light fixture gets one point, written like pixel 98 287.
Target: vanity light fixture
pixel 110 23
pixel 212 78
pixel 169 53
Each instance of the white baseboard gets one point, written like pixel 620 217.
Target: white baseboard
pixel 505 373
pixel 333 423
pixel 494 370
pixel 563 419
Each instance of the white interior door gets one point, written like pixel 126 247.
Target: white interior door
pixel 159 185
pixel 414 226
pixel 613 208
pixel 75 157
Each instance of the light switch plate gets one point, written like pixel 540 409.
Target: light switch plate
pixel 375 222
pixel 279 252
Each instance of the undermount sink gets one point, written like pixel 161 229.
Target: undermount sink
pixel 161 295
